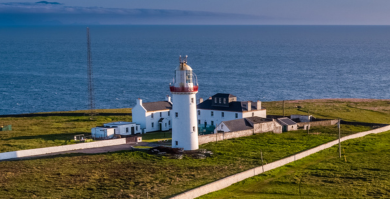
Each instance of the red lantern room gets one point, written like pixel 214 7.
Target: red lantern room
pixel 185 80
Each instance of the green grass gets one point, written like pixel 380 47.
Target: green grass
pixel 130 174
pixel 358 110
pixel 157 136
pixel 362 172
pixel 38 132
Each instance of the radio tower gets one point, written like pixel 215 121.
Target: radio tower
pixel 90 85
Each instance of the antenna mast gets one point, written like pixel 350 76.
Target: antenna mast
pixel 90 85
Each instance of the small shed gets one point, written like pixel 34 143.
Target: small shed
pixel 102 132
pixel 134 139
pixel 124 128
pixel 287 124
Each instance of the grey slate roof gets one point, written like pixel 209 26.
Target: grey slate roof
pixel 238 124
pixel 236 106
pixel 156 106
pixel 256 120
pixel 223 95
pixel 284 121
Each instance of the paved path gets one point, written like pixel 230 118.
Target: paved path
pixel 106 149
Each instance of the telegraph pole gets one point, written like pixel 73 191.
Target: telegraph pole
pixel 283 108
pixel 90 83
pixel 308 127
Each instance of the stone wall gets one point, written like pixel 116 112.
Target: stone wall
pixel 55 149
pixel 226 182
pixel 203 139
pixel 319 123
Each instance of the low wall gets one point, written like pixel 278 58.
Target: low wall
pixel 55 149
pixel 319 123
pixel 203 139
pixel 226 182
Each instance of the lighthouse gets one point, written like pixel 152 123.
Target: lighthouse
pixel 184 119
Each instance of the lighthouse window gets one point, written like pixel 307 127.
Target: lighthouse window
pixel 192 100
pixel 223 114
pixel 212 113
pixel 176 114
pixel 152 115
pixel 198 112
pixel 193 128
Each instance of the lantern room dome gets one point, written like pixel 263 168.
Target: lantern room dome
pixel 183 66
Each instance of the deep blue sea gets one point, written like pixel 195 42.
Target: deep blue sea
pixel 45 68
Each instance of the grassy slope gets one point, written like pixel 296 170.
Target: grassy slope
pixel 363 173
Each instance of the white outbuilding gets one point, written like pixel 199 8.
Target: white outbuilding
pixel 102 132
pixel 124 128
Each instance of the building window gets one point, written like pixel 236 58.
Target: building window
pixel 165 124
pixel 136 128
pixel 223 114
pixel 221 126
pixel 176 114
pixel 192 100
pixel 220 100
pixel 212 123
pixel 127 130
pixel 212 113
pixel 177 143
pixel 215 100
pixel 198 121
pixel 198 112
pixel 193 129
pixel 253 114
pixel 236 115
pixel 224 100
pixel 169 122
pixel 152 115
pixel 152 124
pixel 160 114
pixel 169 113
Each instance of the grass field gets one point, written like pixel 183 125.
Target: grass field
pixel 132 174
pixel 362 172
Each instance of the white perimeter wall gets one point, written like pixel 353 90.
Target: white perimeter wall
pixel 226 182
pixel 55 149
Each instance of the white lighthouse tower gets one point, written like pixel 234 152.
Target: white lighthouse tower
pixel 184 119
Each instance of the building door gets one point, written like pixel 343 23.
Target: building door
pixel 132 130
pixel 285 128
pixel 160 126
pixel 205 124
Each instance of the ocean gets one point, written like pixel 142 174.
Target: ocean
pixel 44 68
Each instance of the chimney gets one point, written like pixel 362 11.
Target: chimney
pixel 258 105
pixel 139 101
pixel 249 106
pixel 168 98
pixel 200 100
pixel 210 98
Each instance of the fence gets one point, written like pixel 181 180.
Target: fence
pixel 55 149
pixel 226 182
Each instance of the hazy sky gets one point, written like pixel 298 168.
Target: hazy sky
pixel 354 12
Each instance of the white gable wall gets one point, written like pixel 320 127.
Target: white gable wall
pixel 139 113
pixel 221 127
pixel 258 113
